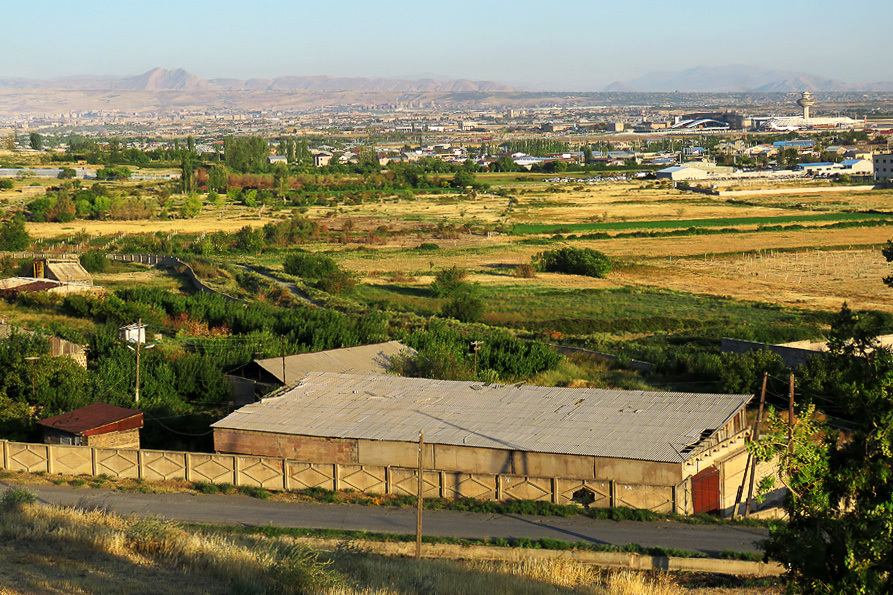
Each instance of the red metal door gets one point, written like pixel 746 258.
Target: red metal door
pixel 705 490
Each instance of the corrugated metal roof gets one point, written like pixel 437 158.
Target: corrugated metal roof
pixel 363 359
pixel 652 426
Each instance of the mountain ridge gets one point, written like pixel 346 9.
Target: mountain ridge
pixel 734 78
pixel 160 79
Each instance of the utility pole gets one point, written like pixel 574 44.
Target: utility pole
pixel 476 345
pixel 791 416
pixel 284 382
pixel 139 342
pixel 756 436
pixel 418 522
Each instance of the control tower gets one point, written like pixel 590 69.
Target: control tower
pixel 806 101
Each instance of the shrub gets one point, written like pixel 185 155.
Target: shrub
pixel 428 246
pixel 94 261
pixel 573 261
pixel 525 271
pixel 7 184
pixel 447 281
pixel 16 497
pixel 465 307
pixel 337 283
pixel 309 265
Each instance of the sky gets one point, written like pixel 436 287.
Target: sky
pixel 556 45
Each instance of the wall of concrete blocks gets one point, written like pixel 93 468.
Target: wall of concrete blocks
pixel 285 474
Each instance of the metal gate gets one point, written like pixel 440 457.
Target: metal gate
pixel 705 490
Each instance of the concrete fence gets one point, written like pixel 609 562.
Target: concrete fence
pixel 171 262
pixel 286 474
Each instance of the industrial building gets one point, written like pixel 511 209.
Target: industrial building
pixel 665 451
pixel 263 375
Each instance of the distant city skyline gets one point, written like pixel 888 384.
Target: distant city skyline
pixel 562 46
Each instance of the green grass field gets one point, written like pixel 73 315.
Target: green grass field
pixel 528 228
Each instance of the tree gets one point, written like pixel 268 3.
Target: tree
pixel 192 206
pixel 13 235
pixel 66 173
pixel 838 469
pixel 448 281
pixel 9 142
pixel 505 164
pixel 218 177
pixel 36 141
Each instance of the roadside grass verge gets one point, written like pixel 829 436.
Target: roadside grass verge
pixel 53 549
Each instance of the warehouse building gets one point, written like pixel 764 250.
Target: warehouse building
pixel 668 452
pixel 263 375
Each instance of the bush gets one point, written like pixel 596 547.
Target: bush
pixel 309 265
pixel 16 497
pixel 573 261
pixel 465 307
pixel 447 281
pixel 428 246
pixel 94 261
pixel 337 283
pixel 525 271
pixel 6 184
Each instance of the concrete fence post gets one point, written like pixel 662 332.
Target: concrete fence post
pixel 553 481
pixel 94 464
pixel 140 464
pixel 499 488
pixel 442 486
pixel 50 454
pixel 286 476
pixel 336 477
pixel 187 464
pixel 237 472
pixel 612 489
pixel 5 454
pixel 387 480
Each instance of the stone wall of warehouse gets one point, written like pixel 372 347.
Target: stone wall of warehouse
pixel 502 475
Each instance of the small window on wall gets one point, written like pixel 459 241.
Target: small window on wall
pixel 65 440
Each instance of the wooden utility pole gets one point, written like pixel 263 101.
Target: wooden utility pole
pixel 756 436
pixel 476 345
pixel 418 522
pixel 791 416
pixel 284 382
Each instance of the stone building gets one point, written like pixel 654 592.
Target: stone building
pixel 99 424
pixel 668 452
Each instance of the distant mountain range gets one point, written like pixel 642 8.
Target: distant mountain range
pixel 739 78
pixel 159 79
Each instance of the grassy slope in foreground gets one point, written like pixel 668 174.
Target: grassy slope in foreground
pixel 50 549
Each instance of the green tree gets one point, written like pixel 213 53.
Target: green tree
pixel 449 281
pixel 192 206
pixel 838 470
pixel 309 265
pixel 13 235
pixel 505 163
pixel 36 141
pixel 9 142
pixel 218 177
pixel 66 173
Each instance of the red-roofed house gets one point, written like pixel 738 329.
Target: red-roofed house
pixel 99 424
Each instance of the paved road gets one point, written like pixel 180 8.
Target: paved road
pixel 243 510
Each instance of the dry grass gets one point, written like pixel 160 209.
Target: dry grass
pixel 47 549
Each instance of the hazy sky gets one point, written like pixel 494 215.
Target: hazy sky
pixel 556 44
